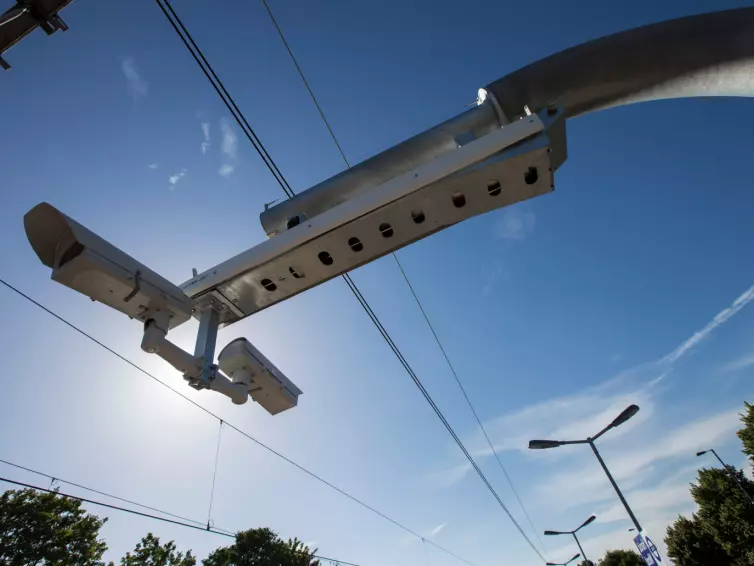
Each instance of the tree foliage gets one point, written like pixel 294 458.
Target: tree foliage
pixel 149 552
pixel 691 545
pixel 746 434
pixel 262 547
pixel 42 528
pixel 721 532
pixel 622 558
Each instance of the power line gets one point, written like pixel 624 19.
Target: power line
pixel 405 276
pixel 98 492
pixel 214 473
pixel 222 92
pixel 133 512
pixel 230 425
pixel 306 83
pixel 116 507
pixel 201 60
pixel 468 401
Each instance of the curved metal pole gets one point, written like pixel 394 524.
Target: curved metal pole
pixel 704 55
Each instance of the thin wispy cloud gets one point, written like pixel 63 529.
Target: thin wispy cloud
pixel 228 148
pixel 138 88
pixel 153 165
pixel 720 318
pixel 437 529
pixel 515 224
pixel 173 179
pixel 574 417
pixel 229 143
pixel 738 364
pixel 206 143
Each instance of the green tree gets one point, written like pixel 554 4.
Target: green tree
pixel 622 558
pixel 746 434
pixel 725 512
pixel 722 530
pixel 262 547
pixel 691 545
pixel 149 552
pixel 42 528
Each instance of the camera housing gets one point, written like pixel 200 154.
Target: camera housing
pixel 267 385
pixel 92 266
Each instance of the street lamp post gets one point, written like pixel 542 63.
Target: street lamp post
pixel 730 471
pixel 582 525
pixel 629 412
pixel 563 563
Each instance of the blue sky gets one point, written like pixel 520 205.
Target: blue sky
pixel 557 313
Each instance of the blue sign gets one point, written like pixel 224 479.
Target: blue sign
pixel 648 550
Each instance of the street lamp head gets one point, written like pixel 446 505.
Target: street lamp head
pixel 631 529
pixel 588 521
pixel 549 533
pixel 575 556
pixel 627 413
pixel 702 453
pixel 542 444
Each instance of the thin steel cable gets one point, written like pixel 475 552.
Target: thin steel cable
pixel 439 414
pixel 199 58
pixel 115 507
pixel 214 474
pixel 54 479
pixel 405 276
pixel 230 425
pixel 468 401
pixel 306 83
pixel 145 515
pixel 219 87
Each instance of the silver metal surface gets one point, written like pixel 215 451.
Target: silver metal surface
pixel 372 225
pixel 206 338
pixel 704 55
pixel 392 162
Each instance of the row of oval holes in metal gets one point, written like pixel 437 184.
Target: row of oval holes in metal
pixel 459 201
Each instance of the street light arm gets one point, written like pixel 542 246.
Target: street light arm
pixel 702 55
pixel 585 523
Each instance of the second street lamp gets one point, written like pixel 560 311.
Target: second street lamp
pixel 627 413
pixel 563 563
pixel 581 526
pixel 730 471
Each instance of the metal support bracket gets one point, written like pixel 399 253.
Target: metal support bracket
pixel 206 338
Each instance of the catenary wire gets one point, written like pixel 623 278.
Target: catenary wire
pixel 468 401
pixel 403 272
pixel 214 473
pixel 98 492
pixel 139 513
pixel 230 425
pixel 198 56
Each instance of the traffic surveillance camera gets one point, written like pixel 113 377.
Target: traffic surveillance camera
pixel 92 266
pixel 247 367
pixel 86 263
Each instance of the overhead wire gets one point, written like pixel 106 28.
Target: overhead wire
pixel 403 273
pixel 54 479
pixel 468 401
pixel 229 425
pixel 185 523
pixel 218 86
